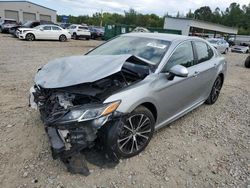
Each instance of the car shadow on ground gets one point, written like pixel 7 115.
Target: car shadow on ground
pixel 99 158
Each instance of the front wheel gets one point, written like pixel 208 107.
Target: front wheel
pixel 247 62
pixel 30 37
pixel 215 91
pixel 133 135
pixel 62 38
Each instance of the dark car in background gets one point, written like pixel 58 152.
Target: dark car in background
pixel 65 25
pixel 6 24
pixel 96 32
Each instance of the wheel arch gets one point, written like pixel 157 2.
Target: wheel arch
pixel 150 106
pixel 222 77
pixel 30 33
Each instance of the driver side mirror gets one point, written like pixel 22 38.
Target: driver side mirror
pixel 177 70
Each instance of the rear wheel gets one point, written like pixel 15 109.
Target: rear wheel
pixel 30 37
pixel 62 38
pixel 226 50
pixel 247 62
pixel 75 36
pixel 215 91
pixel 132 135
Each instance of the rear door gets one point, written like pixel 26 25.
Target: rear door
pixel 45 33
pixel 205 69
pixel 56 32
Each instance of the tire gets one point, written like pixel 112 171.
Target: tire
pixel 247 62
pixel 62 38
pixel 226 50
pixel 247 52
pixel 215 92
pixel 74 36
pixel 1 30
pixel 126 138
pixel 30 37
pixel 87 38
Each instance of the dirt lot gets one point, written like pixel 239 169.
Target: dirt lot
pixel 209 147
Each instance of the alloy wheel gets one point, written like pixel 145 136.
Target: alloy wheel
pixel 62 38
pixel 30 37
pixel 216 89
pixel 135 134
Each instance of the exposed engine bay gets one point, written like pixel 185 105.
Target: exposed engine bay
pixel 73 115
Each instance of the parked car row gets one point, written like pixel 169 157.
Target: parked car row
pixel 222 46
pixel 46 30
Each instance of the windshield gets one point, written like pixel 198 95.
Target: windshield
pixel 147 48
pixel 27 24
pixel 212 41
pixel 38 27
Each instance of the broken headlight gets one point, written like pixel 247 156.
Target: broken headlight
pixel 83 114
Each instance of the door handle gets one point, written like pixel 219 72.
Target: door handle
pixel 196 73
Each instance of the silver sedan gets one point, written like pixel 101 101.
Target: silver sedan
pixel 119 93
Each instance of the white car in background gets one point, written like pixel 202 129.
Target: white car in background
pixel 79 31
pixel 240 49
pixel 220 44
pixel 44 32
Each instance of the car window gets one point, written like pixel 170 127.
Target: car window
pixel 204 52
pixel 55 28
pixel 183 55
pixel 80 27
pixel 35 24
pixel 47 28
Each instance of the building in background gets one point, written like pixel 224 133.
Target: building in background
pixel 200 28
pixel 23 11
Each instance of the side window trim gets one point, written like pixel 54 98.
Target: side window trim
pixel 195 53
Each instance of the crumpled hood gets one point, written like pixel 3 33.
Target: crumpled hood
pixel 75 70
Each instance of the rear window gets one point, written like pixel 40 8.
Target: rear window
pixel 204 52
pixel 55 28
pixel 82 27
pixel 148 48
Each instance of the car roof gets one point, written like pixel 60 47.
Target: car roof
pixel 213 39
pixel 161 36
pixel 7 19
pixel 48 25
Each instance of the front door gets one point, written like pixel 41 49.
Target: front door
pixel 178 94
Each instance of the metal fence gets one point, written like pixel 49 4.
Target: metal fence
pixel 114 30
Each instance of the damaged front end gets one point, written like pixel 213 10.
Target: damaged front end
pixel 73 112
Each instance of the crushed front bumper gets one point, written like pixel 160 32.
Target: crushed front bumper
pixel 69 138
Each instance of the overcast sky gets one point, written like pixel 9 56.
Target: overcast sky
pixel 160 7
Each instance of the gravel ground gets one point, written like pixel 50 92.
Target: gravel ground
pixel 208 147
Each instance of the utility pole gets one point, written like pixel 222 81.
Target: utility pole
pixel 101 18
